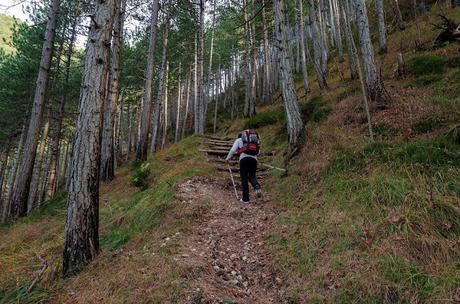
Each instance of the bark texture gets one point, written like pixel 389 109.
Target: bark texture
pixel 51 181
pixel 82 225
pixel 142 145
pixel 375 88
pixel 382 28
pixel 107 145
pixel 348 40
pixel 161 89
pixel 295 126
pixel 22 187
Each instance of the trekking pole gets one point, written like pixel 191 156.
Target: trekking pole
pixel 233 182
pixel 273 167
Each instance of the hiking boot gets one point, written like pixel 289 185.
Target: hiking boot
pixel 259 193
pixel 244 202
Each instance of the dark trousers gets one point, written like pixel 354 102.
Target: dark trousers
pixel 248 168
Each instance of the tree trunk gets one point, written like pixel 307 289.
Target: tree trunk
pixel 82 225
pixel 398 16
pixel 335 20
pixel 318 46
pixel 51 180
pixel 21 191
pixel 348 40
pixel 166 110
pixel 107 144
pixel 196 106
pixel 252 101
pixel 363 89
pixel 63 182
pixel 161 89
pixel 13 173
pixel 187 98
pixel 4 157
pixel 296 130
pixel 266 82
pixel 199 127
pixel 142 145
pixel 382 28
pixel 32 200
pixel 247 56
pixel 306 85
pixel 375 87
pixel 179 106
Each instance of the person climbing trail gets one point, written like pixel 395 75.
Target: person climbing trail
pixel 247 146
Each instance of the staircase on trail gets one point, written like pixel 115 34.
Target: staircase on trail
pixel 216 149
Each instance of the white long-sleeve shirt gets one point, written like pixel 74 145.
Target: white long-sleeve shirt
pixel 236 146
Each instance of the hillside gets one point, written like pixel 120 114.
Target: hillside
pixel 6 23
pixel 353 221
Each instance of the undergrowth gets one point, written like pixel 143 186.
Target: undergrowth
pixel 131 221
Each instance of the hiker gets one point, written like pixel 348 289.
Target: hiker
pixel 247 146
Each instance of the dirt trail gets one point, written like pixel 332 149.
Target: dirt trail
pixel 226 256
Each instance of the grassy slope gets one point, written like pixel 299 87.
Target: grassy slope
pixel 6 23
pixel 369 222
pixel 132 267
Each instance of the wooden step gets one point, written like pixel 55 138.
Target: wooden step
pixel 220 145
pixel 213 137
pixel 214 152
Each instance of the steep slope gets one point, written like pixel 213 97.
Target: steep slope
pixel 372 222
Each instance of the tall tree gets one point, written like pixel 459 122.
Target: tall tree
pixel 200 107
pixel 375 88
pixel 22 187
pixel 82 225
pixel 319 48
pixel 382 27
pixel 179 106
pixel 266 66
pixel 398 15
pixel 352 63
pixel 166 109
pixel 303 58
pixel 161 88
pixel 142 145
pixel 295 126
pixel 107 145
pixel 56 132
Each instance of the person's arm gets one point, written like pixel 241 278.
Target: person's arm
pixel 233 150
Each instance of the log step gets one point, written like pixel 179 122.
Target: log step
pixel 214 152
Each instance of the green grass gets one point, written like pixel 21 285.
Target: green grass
pixel 427 125
pixel 315 110
pixel 264 119
pixel 129 220
pixel 426 65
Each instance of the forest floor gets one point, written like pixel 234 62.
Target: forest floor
pixel 225 256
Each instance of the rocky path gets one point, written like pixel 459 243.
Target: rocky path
pixel 226 256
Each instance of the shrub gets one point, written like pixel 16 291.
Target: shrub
pixel 140 177
pixel 426 125
pixel 424 65
pixel 264 119
pixel 384 130
pixel 424 80
pixel 315 110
